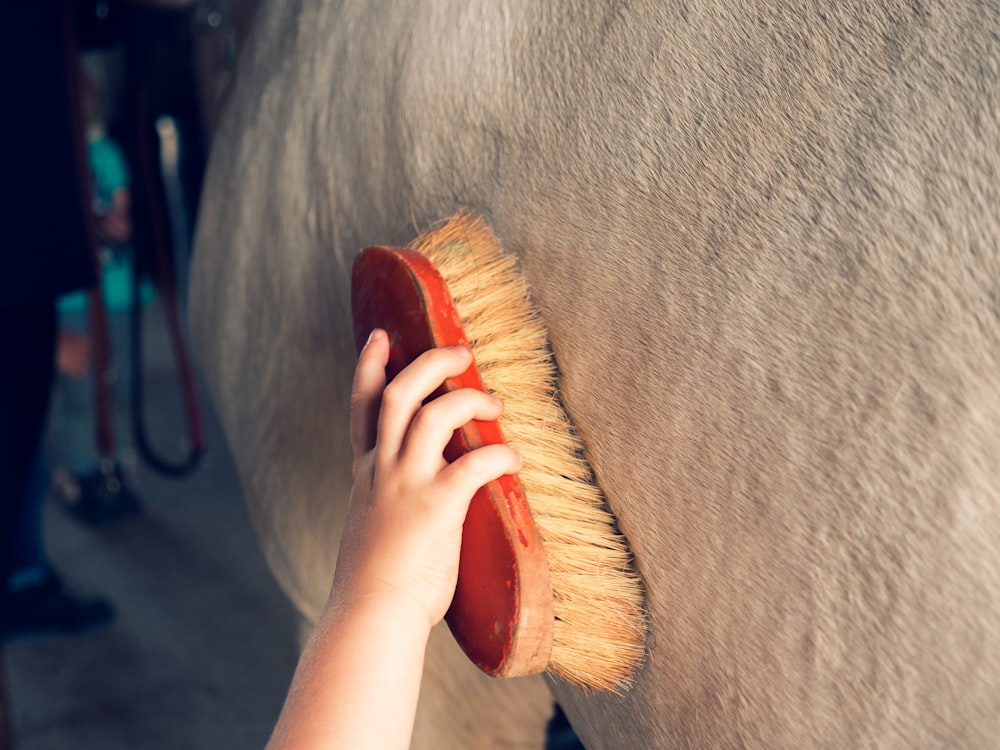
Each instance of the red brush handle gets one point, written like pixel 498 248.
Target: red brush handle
pixel 501 614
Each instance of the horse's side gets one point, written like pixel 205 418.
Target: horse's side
pixel 767 247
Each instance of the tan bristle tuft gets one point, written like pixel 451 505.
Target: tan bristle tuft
pixel 598 595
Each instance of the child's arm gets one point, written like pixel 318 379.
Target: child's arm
pixel 357 682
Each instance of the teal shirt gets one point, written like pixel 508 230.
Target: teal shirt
pixel 108 172
pixel 108 169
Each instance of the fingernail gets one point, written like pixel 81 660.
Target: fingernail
pixel 462 351
pixel 372 335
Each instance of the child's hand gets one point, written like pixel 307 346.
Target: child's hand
pixel 404 525
pixel 358 680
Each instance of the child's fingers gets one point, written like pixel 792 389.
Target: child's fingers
pixel 366 393
pixel 461 478
pixel 434 424
pixel 403 397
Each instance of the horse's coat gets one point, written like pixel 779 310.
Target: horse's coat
pixel 766 241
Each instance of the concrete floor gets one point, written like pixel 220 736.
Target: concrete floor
pixel 204 643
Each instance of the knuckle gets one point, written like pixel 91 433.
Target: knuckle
pixel 425 418
pixel 394 395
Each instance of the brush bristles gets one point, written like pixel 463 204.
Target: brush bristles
pixel 598 596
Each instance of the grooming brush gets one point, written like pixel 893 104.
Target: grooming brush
pixel 546 580
pixel 501 614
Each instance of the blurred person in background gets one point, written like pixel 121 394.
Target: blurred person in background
pixel 78 475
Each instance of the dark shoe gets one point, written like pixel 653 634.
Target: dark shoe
pixel 104 497
pixel 49 607
pixel 560 735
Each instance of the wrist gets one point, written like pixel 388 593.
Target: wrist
pixel 382 604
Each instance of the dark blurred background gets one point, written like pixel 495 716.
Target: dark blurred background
pixel 202 644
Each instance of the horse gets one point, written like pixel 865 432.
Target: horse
pixel 765 241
